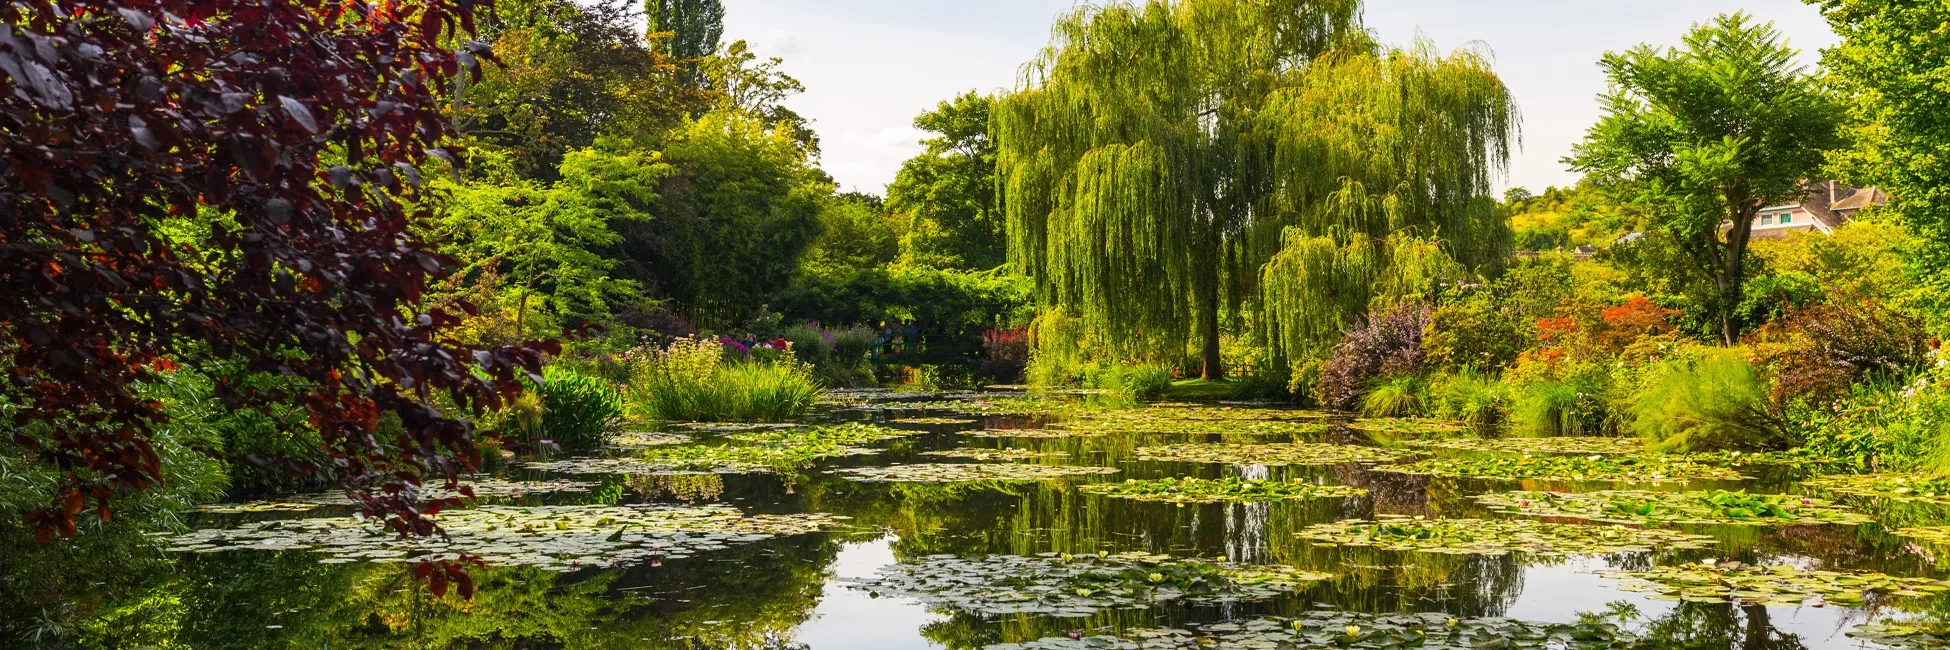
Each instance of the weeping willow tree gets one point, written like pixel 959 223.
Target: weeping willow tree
pixel 1154 159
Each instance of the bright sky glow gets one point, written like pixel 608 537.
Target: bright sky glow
pixel 870 66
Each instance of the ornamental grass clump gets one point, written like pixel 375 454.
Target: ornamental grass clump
pixel 577 410
pixel 692 381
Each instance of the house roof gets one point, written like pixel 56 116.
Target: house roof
pixel 1863 198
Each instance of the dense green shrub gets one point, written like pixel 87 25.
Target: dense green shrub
pixel 1395 396
pixel 1890 424
pixel 258 447
pixel 1473 332
pixel 948 311
pixel 692 381
pixel 1711 400
pixel 577 409
pixel 1469 397
pixel 1138 381
pixel 838 357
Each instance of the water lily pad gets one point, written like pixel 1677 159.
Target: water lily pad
pixel 850 433
pixel 1398 426
pixel 1031 434
pixel 1918 635
pixel 1718 507
pixel 1231 488
pixel 935 420
pixel 990 455
pixel 1495 536
pixel 1076 586
pixel 1579 445
pixel 641 439
pixel 1300 453
pixel 1917 488
pixel 558 538
pixel 1780 585
pixel 1328 629
pixel 1939 535
pixel 1196 420
pixel 966 472
pixel 1648 469
pixel 730 427
pixel 773 450
pixel 483 487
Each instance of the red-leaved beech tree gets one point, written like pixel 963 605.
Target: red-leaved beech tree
pixel 193 181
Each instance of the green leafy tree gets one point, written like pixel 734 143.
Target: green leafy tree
pixel 738 214
pixel 548 239
pixel 947 192
pixel 1894 64
pixel 1702 137
pixel 859 234
pixel 1156 156
pixel 570 74
pixel 694 26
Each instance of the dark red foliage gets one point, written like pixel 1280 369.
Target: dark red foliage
pixel 295 134
pixel 1388 343
pixel 1816 351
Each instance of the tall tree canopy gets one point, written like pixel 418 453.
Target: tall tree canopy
pixel 1706 135
pixel 695 27
pixel 1894 62
pixel 227 184
pixel 1155 157
pixel 947 192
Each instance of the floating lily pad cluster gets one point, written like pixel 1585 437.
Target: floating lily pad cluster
pixel 1921 635
pixel 760 451
pixel 1029 434
pixel 729 427
pixel 1301 453
pixel 641 439
pixel 557 538
pixel 967 472
pixel 990 455
pixel 1781 585
pixel 1022 406
pixel 1327 629
pixel 1495 536
pixel 1570 468
pixel 482 488
pixel 1399 426
pixel 1076 586
pixel 1231 488
pixel 1195 420
pixel 850 433
pixel 933 420
pixel 1579 445
pixel 1895 487
pixel 1718 507
pixel 1939 535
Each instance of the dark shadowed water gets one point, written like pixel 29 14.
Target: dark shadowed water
pixel 792 592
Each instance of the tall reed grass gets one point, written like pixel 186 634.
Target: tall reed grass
pixel 691 380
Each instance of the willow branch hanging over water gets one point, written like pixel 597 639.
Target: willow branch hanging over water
pixel 1154 158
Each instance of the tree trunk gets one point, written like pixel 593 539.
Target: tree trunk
pixel 1732 291
pixel 1207 318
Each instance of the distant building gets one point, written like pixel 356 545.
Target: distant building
pixel 1828 206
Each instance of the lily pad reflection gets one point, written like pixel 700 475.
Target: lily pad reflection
pixel 1300 453
pixel 1325 629
pixel 967 472
pixel 1718 507
pixel 1779 585
pixel 1496 536
pixel 557 538
pixel 1231 488
pixel 1067 586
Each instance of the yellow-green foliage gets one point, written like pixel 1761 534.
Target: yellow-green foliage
pixel 691 380
pixel 1712 399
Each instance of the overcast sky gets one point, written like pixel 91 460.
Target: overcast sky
pixel 870 66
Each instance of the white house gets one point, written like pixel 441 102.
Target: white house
pixel 1828 206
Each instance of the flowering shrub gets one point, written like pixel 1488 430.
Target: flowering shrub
pixel 1472 333
pixel 1389 343
pixel 1005 355
pixel 1818 350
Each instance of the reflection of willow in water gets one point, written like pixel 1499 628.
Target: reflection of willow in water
pixel 682 487
pixel 757 595
pixel 1702 626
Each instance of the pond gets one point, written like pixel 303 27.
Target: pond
pixel 980 523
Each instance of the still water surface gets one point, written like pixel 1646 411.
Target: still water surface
pixel 794 592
